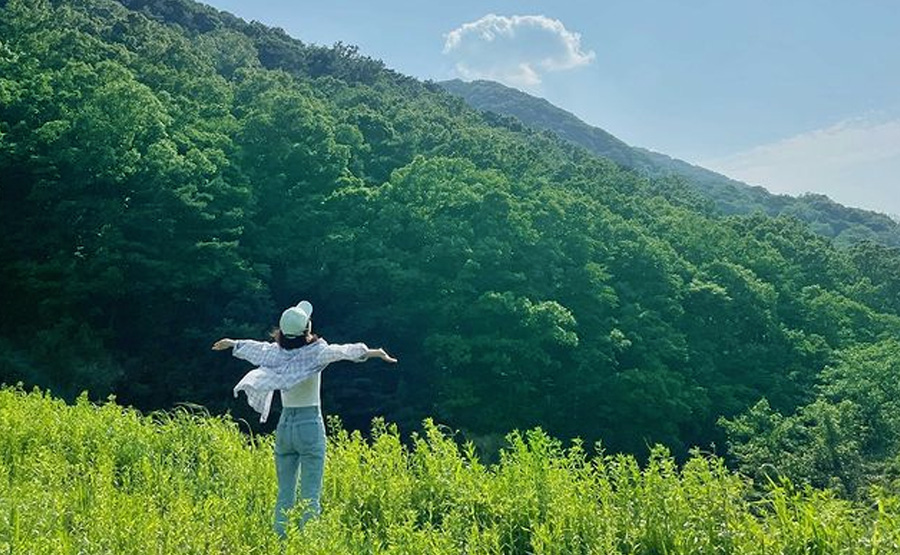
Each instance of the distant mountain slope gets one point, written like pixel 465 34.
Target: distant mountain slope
pixel 846 225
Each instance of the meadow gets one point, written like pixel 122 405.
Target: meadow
pixel 88 478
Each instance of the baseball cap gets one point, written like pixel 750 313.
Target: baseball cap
pixel 295 319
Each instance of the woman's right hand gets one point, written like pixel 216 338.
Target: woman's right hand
pixel 223 344
pixel 380 353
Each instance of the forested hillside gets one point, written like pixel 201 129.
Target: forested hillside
pixel 846 225
pixel 171 175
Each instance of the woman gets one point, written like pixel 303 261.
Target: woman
pixel 293 364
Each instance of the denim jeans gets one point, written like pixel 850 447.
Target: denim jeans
pixel 299 445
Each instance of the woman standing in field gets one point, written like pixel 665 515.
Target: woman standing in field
pixel 292 364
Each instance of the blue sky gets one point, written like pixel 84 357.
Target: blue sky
pixel 796 96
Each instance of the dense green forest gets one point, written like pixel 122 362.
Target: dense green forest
pixel 172 174
pixel 846 225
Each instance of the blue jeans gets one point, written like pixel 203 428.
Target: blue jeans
pixel 299 445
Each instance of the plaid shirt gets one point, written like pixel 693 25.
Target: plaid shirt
pixel 282 369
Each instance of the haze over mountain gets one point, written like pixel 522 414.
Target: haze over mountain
pixel 845 224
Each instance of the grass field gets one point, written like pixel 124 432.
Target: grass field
pixel 85 478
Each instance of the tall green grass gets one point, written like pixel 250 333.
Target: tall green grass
pixel 105 479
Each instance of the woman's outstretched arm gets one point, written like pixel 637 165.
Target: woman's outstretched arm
pixel 254 352
pixel 355 352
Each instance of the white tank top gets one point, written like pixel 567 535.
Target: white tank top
pixel 304 394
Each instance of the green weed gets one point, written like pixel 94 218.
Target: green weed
pixel 91 479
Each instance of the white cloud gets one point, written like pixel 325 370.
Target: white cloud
pixel 855 162
pixel 515 50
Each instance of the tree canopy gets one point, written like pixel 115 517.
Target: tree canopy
pixel 172 174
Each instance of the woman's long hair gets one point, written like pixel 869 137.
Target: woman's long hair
pixel 290 343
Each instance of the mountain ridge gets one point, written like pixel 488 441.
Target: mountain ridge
pixel 846 225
